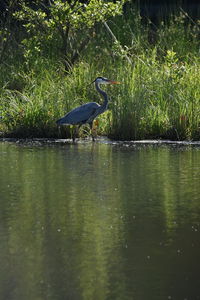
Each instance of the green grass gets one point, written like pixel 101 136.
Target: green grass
pixel 159 95
pixel 157 101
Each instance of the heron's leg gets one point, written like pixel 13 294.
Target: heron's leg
pixel 91 126
pixel 59 131
pixel 76 130
pixel 74 133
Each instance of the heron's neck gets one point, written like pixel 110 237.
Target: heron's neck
pixel 103 93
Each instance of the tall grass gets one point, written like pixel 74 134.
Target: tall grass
pixel 47 95
pixel 159 95
pixel 157 101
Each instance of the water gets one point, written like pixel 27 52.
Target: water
pixel 96 221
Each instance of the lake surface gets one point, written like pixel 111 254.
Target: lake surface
pixel 97 221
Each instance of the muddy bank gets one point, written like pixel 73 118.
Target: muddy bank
pixel 103 140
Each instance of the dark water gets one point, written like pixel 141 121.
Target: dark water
pixel 95 221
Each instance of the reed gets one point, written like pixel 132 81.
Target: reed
pixel 157 100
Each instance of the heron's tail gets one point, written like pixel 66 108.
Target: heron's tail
pixel 60 121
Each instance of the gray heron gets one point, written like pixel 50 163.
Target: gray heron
pixel 86 113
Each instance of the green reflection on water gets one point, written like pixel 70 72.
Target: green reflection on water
pixel 95 221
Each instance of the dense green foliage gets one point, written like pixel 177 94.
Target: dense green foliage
pixel 158 67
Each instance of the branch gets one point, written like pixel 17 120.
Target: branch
pixel 115 39
pixel 80 49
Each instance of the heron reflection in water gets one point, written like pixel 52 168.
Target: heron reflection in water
pixel 86 113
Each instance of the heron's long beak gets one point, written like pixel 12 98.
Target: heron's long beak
pixel 114 82
pixel 107 81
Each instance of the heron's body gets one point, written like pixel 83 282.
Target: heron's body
pixel 86 113
pixel 79 115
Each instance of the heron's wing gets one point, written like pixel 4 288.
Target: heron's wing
pixel 80 114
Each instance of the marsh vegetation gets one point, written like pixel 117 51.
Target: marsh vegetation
pixel 42 77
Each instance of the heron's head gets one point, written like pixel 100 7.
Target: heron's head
pixel 103 80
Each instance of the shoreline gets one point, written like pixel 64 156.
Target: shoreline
pixel 102 140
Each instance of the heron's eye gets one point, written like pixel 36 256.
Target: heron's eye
pixel 101 79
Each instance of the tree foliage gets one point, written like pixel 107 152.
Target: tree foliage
pixel 63 26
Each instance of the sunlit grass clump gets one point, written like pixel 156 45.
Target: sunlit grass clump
pixel 158 100
pixel 159 95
